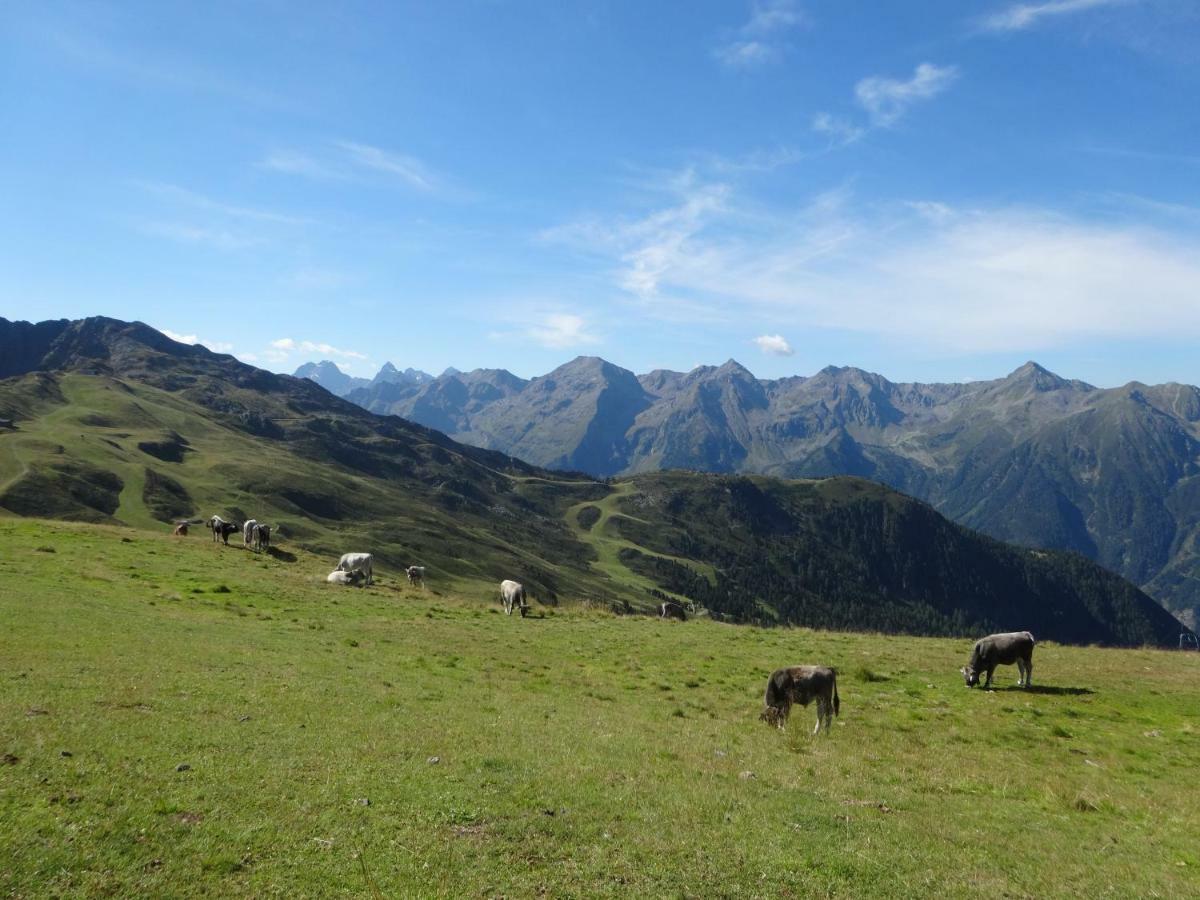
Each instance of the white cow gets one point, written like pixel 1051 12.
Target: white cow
pixel 416 575
pixel 357 562
pixel 512 593
pixel 215 523
pixel 248 532
pixel 344 578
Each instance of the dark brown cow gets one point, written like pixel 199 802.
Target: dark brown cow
pixel 801 684
pixel 181 529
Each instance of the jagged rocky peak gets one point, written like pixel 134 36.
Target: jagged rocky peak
pixel 319 371
pixel 389 374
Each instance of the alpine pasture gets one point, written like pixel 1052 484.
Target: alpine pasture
pixel 182 719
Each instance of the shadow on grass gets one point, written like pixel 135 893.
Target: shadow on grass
pixel 1054 690
pixel 281 555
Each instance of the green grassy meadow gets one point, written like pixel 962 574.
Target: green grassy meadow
pixel 181 719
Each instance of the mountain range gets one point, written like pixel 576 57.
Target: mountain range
pixel 1031 458
pixel 329 376
pixel 115 422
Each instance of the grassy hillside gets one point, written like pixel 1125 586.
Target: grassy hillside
pixel 118 424
pixel 102 449
pixel 188 720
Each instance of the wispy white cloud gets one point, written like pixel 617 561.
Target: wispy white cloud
pixel 175 194
pixel 283 348
pixel 354 161
pixel 886 100
pixel 202 235
pixel 560 331
pixel 774 345
pixel 1026 15
pixel 106 55
pixel 759 40
pixel 838 130
pixel 407 168
pixel 923 273
pixel 293 163
pixel 188 217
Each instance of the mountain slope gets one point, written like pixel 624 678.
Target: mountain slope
pixel 1032 458
pixel 116 423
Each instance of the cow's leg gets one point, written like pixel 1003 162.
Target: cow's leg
pixel 1028 672
pixel 820 714
pixel 988 684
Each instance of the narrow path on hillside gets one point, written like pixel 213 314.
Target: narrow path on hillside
pixel 608 544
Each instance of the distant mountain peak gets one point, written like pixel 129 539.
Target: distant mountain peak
pixel 1036 376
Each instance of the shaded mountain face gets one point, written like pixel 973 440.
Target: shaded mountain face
pixel 117 423
pixel 1032 458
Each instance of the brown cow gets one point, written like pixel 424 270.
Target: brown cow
pixel 181 529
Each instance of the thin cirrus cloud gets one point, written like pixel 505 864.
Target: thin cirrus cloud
pixel 353 161
pixel 760 39
pixel 923 273
pixel 189 217
pixel 1020 16
pixel 774 345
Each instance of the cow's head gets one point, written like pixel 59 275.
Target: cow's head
pixel 970 676
pixel 772 715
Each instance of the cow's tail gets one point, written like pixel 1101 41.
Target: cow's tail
pixel 837 701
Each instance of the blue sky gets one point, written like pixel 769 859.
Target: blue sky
pixel 934 190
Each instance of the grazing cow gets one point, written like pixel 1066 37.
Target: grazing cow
pixel 512 593
pixel 416 575
pixel 248 532
pixel 670 610
pixel 348 579
pixel 801 684
pixel 1000 650
pixel 225 529
pixel 215 524
pixel 357 562
pixel 260 537
pixel 181 529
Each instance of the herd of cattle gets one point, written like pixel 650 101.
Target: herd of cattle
pixel 785 687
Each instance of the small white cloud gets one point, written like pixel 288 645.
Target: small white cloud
pixel 931 210
pixel 214 346
pixel 774 344
pixel 758 40
pixel 745 54
pixel 886 100
pixel 1025 15
pixel 772 15
pixel 842 131
pixel 283 347
pixel 180 338
pixel 560 330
